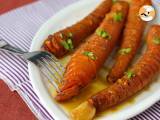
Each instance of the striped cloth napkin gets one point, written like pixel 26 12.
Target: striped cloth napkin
pixel 18 28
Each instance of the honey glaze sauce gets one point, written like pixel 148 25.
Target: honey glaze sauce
pixel 95 86
pixel 124 104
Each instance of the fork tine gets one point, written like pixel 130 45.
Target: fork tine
pixel 54 60
pixel 48 73
pixel 57 64
pixel 53 70
pixel 47 67
pixel 49 79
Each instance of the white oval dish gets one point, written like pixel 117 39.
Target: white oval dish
pixel 64 18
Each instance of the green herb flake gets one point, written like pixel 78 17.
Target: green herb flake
pixel 156 40
pixel 67 44
pixel 129 74
pixel 70 35
pixel 114 1
pixel 117 16
pixel 102 33
pixel 69 41
pixel 125 51
pixel 89 54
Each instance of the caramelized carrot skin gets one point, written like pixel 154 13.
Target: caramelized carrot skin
pixel 144 71
pixel 132 38
pixel 80 30
pixel 81 69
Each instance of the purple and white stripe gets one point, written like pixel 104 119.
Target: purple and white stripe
pixel 18 28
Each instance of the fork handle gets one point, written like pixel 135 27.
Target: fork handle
pixel 8 48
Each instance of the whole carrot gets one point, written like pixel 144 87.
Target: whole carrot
pixel 134 80
pixel 90 57
pixel 131 40
pixel 69 38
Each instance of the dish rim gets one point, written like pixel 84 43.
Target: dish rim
pixel 41 89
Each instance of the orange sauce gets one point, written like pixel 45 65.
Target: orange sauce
pixel 97 85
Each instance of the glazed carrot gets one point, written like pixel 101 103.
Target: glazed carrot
pixel 139 76
pixel 69 38
pixel 90 57
pixel 131 40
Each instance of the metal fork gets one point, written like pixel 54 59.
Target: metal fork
pixel 49 65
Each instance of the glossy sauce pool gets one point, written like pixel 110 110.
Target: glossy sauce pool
pixel 97 85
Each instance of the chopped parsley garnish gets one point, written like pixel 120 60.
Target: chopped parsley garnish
pixel 117 16
pixel 67 44
pixel 69 41
pixel 89 54
pixel 70 35
pixel 102 33
pixel 125 51
pixel 156 40
pixel 129 74
pixel 114 1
